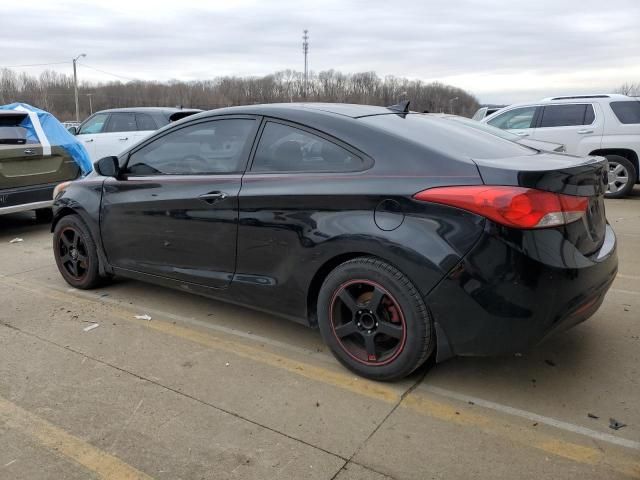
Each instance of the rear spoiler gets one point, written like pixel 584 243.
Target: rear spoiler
pixel 175 116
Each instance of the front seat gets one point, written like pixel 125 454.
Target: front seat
pixel 287 157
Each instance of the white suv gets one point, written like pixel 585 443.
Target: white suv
pixel 109 132
pixel 607 125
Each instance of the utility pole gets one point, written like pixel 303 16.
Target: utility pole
pixel 90 103
pixel 75 84
pixel 305 51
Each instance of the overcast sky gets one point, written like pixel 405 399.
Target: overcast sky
pixel 502 51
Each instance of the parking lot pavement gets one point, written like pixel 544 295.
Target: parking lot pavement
pixel 208 390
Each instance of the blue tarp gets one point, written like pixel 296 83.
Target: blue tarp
pixel 44 128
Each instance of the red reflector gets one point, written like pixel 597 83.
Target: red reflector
pixel 511 206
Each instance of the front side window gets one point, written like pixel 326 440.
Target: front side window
pixel 518 118
pixel 287 149
pixel 567 115
pixel 627 112
pixel 122 122
pixel 95 124
pixel 205 148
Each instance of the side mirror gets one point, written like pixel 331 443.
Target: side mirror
pixel 73 130
pixel 107 166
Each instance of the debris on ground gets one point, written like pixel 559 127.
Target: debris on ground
pixel 551 363
pixel 91 327
pixel 227 364
pixel 16 240
pixel 615 424
pixel 317 404
pixel 143 317
pixel 591 415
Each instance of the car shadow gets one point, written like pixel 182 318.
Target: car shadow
pixel 15 224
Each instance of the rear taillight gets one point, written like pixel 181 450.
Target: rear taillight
pixel 511 206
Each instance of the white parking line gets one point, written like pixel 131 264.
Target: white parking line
pixel 552 422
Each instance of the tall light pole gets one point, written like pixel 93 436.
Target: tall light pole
pixel 305 51
pixel 75 84
pixel 454 99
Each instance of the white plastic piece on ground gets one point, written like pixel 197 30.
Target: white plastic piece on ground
pixel 143 317
pixel 16 240
pixel 91 327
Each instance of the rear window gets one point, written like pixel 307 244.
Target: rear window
pixel 13 135
pixel 567 115
pixel 627 112
pixel 447 137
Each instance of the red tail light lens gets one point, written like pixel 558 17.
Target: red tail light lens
pixel 511 206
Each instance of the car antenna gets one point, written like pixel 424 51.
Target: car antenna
pixel 402 107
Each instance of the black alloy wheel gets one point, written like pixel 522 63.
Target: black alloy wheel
pixel 374 320
pixel 75 253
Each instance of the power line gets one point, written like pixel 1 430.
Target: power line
pixel 32 65
pixel 107 73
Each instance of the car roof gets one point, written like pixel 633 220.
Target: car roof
pixel 350 110
pixel 148 110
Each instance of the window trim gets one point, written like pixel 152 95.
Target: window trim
pixel 595 115
pixel 366 159
pixel 244 156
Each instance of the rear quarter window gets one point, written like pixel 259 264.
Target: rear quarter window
pixel 452 139
pixel 627 112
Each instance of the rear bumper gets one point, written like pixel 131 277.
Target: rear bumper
pixel 26 198
pixel 511 291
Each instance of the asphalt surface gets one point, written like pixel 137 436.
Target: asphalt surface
pixel 205 390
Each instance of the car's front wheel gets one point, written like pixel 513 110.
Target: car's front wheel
pixel 75 253
pixel 374 320
pixel 622 177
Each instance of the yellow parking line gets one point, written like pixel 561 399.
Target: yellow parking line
pixel 57 440
pixel 417 402
pixel 531 437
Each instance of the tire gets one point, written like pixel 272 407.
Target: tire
pixel 79 269
pixel 44 215
pixel 622 169
pixel 374 320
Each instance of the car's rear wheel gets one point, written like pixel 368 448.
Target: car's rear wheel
pixel 75 253
pixel 622 177
pixel 374 320
pixel 44 215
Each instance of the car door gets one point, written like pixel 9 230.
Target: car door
pixel 90 131
pixel 575 125
pixel 518 120
pixel 118 134
pixel 173 212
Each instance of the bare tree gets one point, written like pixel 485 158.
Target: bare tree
pixel 53 92
pixel 629 88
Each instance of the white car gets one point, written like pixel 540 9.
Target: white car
pixel 110 132
pixel 607 125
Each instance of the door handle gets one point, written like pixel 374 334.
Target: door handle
pixel 585 131
pixel 522 134
pixel 124 138
pixel 29 151
pixel 89 141
pixel 213 197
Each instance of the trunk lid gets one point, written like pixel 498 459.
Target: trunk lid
pixel 565 174
pixel 24 166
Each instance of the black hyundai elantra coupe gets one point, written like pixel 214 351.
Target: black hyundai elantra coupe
pixel 398 234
